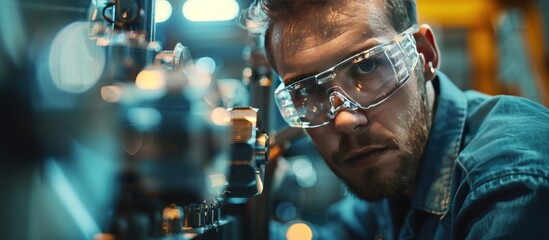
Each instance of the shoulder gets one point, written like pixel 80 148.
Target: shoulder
pixel 502 171
pixel 489 110
pixel 504 136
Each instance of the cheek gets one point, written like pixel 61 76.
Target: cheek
pixel 392 113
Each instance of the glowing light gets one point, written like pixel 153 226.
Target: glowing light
pixel 220 116
pixel 210 10
pixel 111 94
pixel 171 213
pixel 75 62
pixel 299 231
pixel 206 64
pixel 218 180
pixel 144 117
pixel 304 172
pixel 163 11
pixel 247 72
pixel 265 81
pixel 150 80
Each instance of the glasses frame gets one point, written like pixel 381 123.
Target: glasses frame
pixel 331 73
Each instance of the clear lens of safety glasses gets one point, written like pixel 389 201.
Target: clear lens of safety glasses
pixel 363 81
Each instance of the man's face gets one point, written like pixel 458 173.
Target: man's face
pixel 376 152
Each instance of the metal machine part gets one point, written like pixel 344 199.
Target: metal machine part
pixel 176 160
pixel 126 29
pixel 200 216
pixel 249 153
pixel 132 15
pixel 172 220
pixel 173 167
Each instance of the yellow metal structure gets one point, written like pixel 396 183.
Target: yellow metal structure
pixel 480 19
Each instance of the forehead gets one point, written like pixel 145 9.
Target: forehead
pixel 298 45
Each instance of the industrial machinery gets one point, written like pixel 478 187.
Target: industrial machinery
pixel 107 134
pixel 176 183
pixel 136 144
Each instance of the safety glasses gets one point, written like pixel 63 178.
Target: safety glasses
pixel 363 81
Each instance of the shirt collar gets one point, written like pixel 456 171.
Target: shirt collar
pixel 434 176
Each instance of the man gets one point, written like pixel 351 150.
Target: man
pixel 431 161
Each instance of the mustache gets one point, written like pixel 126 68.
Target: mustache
pixel 347 144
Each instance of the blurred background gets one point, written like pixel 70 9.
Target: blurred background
pixel 93 146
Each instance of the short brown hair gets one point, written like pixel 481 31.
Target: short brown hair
pixel 264 13
pixel 401 13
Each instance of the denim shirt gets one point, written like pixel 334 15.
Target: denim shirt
pixel 484 175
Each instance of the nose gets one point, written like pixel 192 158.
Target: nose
pixel 347 116
pixel 348 121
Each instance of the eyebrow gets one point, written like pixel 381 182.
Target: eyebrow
pixel 298 78
pixel 371 43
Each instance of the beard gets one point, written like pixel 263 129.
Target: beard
pixel 375 183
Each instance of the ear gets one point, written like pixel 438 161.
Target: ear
pixel 428 51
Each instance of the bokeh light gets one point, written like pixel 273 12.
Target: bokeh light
pixel 220 116
pixel 206 64
pixel 111 94
pixel 299 231
pixel 75 62
pixel 144 117
pixel 210 10
pixel 163 11
pixel 150 79
pixel 304 172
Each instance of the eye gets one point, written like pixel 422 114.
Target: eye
pixel 366 66
pixel 365 74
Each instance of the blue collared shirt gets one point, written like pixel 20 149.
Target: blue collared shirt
pixel 484 175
